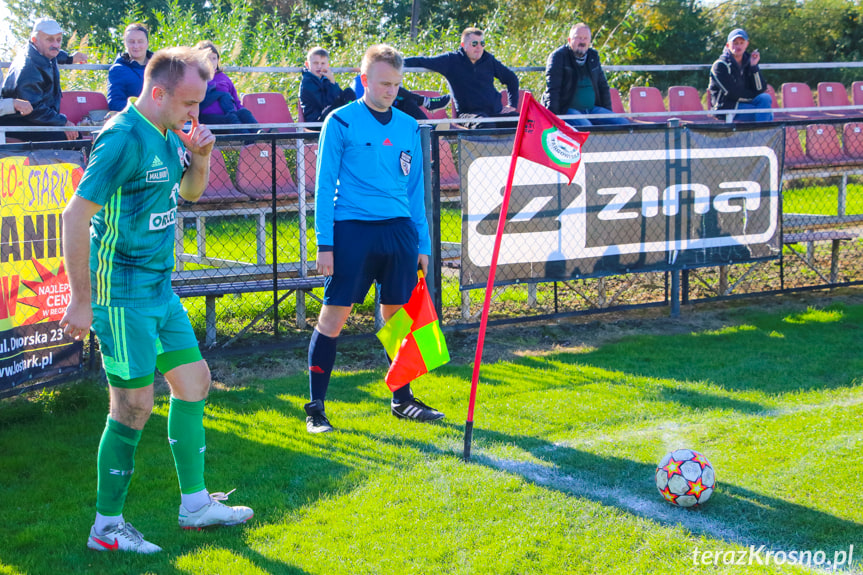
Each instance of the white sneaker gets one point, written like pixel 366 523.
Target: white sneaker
pixel 215 513
pixel 120 537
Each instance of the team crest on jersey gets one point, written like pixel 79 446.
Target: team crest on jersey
pixel 405 161
pixel 185 157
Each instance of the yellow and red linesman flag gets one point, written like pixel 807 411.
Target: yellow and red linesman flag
pixel 548 140
pixel 413 338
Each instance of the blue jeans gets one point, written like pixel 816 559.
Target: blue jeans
pixel 594 121
pixel 762 101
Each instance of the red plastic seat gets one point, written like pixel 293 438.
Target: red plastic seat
pixel 449 176
pixel 255 173
pixel 857 93
pixel 220 188
pixel 822 144
pixel 646 99
pixel 616 101
pixel 77 104
pixel 852 140
pixel 799 95
pixel 269 108
pixel 310 163
pixel 687 99
pixel 794 155
pixel 504 98
pixel 833 94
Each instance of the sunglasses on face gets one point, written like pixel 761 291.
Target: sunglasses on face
pixel 474 43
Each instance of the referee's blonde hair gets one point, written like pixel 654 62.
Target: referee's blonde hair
pixel 382 53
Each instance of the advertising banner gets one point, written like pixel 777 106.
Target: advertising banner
pixel 641 201
pixel 34 289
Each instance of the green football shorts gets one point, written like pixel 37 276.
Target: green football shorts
pixel 137 340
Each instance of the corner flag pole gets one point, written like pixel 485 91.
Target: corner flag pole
pixel 489 286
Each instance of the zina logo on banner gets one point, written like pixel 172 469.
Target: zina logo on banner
pixel 560 148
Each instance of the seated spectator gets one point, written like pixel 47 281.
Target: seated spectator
pixel 126 74
pixel 34 77
pixel 222 105
pixel 320 94
pixel 736 82
pixel 471 71
pixel 575 82
pixel 14 106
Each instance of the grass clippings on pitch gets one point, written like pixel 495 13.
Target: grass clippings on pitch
pixel 565 448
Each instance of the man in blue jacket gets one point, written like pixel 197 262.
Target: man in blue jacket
pixel 736 82
pixel 370 221
pixel 471 71
pixel 34 77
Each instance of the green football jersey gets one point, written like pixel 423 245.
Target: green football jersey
pixel 134 172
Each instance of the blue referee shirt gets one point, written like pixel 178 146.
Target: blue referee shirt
pixel 369 171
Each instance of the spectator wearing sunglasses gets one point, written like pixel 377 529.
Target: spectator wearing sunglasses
pixel 471 72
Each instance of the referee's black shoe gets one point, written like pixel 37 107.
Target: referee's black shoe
pixel 415 409
pixel 316 419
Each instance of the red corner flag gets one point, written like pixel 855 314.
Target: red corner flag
pixel 548 140
pixel 543 138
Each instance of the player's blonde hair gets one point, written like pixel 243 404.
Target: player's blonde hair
pixel 168 66
pixel 382 53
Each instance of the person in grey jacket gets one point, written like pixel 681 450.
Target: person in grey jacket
pixel 34 77
pixel 575 82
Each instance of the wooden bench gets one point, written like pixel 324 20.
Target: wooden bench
pixel 809 238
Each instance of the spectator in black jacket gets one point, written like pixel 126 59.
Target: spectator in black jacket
pixel 736 82
pixel 575 82
pixel 34 77
pixel 471 71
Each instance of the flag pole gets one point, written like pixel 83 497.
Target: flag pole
pixel 489 286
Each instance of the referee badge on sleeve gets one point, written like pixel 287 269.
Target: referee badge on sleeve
pixel 405 161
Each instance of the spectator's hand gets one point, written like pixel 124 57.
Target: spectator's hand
pixel 23 107
pixel 79 58
pixel 507 110
pixel 329 75
pixel 325 263
pixel 754 58
pixel 71 134
pixel 200 140
pixel 423 262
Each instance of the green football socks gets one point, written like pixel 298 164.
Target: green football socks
pixel 115 464
pixel 186 436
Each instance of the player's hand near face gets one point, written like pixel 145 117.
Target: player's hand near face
pixel 199 141
pixel 325 263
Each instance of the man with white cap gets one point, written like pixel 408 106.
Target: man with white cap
pixel 34 77
pixel 736 82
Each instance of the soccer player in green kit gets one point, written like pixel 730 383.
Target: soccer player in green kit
pixel 120 278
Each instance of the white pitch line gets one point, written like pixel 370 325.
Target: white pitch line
pixel 656 510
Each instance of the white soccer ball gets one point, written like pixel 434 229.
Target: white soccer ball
pixel 685 478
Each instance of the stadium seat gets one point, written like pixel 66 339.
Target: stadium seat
pixel 270 108
pixel 687 99
pixel 646 99
pixel 77 104
pixel 310 163
pixel 794 155
pixel 833 94
pixel 504 98
pixel 255 173
pixel 822 144
pixel 852 140
pixel 857 93
pixel 220 188
pixel 616 102
pixel 799 95
pixel 449 177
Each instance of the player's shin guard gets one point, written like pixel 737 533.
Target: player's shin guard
pixel 115 463
pixel 186 436
pixel 322 357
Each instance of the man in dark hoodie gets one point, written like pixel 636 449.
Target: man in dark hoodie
pixel 575 82
pixel 34 77
pixel 736 82
pixel 471 71
pixel 126 75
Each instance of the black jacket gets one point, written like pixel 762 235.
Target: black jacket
pixel 561 78
pixel 472 84
pixel 316 94
pixel 731 82
pixel 35 78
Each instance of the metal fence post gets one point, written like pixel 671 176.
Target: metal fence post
pixel 432 205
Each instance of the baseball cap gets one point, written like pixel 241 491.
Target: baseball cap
pixel 737 33
pixel 46 25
